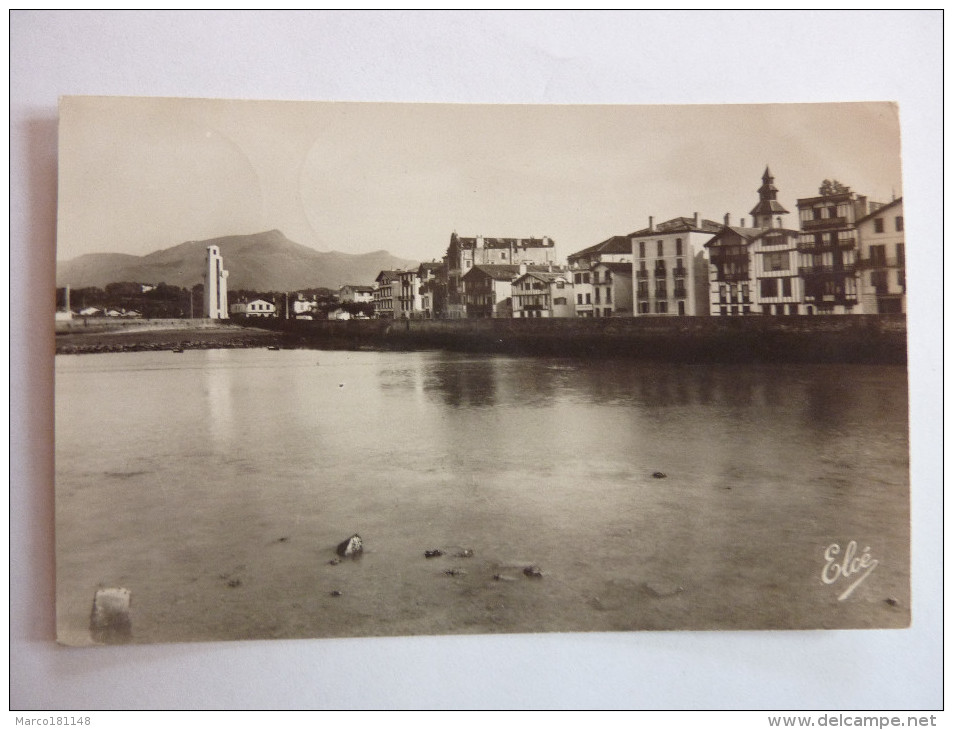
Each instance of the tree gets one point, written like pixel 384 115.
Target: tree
pixel 833 187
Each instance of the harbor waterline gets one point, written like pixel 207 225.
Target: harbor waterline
pixel 214 486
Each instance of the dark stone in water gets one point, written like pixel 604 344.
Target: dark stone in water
pixel 532 572
pixel 234 582
pixel 659 475
pixel 465 553
pixel 352 547
pixel 336 593
pixel 891 601
pixel 455 572
pixel 436 553
pixel 334 561
pixel 109 622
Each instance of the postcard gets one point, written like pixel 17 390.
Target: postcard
pixel 354 369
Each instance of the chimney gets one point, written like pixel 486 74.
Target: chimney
pixel 651 223
pixel 522 268
pixel 696 219
pixel 727 219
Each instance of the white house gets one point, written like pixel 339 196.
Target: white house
pixel 256 308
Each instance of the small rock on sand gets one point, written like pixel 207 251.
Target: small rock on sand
pixel 352 547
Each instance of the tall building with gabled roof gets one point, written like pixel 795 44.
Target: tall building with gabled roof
pixel 670 272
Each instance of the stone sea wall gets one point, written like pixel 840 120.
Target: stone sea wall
pixel 848 339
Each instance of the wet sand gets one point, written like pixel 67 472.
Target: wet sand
pixel 102 337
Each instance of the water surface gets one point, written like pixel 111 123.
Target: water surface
pixel 215 484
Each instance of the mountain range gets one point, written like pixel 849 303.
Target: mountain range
pixel 266 261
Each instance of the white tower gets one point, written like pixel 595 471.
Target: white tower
pixel 216 298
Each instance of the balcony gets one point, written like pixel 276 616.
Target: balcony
pixel 880 263
pixel 679 272
pixel 680 293
pixel 822 269
pixel 844 244
pixel 642 274
pixel 659 273
pixel 818 223
pixel 661 293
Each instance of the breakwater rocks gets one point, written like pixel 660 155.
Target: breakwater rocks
pixel 875 339
pixel 172 340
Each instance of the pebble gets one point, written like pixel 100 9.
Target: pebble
pixel 455 572
pixel 336 593
pixel 532 572
pixel 659 475
pixel 663 590
pixel 892 602
pixel 436 553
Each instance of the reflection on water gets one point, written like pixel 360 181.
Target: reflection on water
pixel 248 464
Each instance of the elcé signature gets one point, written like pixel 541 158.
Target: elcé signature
pixel 836 568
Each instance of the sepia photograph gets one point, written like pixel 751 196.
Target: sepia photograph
pixel 352 369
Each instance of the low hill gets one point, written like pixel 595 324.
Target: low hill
pixel 260 261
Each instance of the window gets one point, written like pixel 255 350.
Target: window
pixel 503 255
pixel 901 256
pixel 769 287
pixel 785 287
pixel 579 299
pixel 660 244
pixel 643 307
pixel 776 261
pixel 608 295
pixel 597 296
pixel 898 223
pixel 678 246
pixel 558 301
pixel 661 307
pixel 745 292
pixel 588 299
pixel 643 290
pixel 724 311
pixel 878 225
pixel 641 249
pixel 878 255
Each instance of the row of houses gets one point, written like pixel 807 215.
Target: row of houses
pixel 846 256
pixel 299 306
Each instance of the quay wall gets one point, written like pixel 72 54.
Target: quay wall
pixel 848 339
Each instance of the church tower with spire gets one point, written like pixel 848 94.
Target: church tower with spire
pixel 768 207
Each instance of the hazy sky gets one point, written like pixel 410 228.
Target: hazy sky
pixel 140 174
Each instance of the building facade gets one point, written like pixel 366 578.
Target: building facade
pixel 357 293
pixel 385 286
pixel 543 294
pixel 881 264
pixel 670 271
pixel 255 308
pixel 827 248
pixel 612 289
pixel 465 253
pixel 216 295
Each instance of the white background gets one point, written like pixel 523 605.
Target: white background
pixel 634 57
